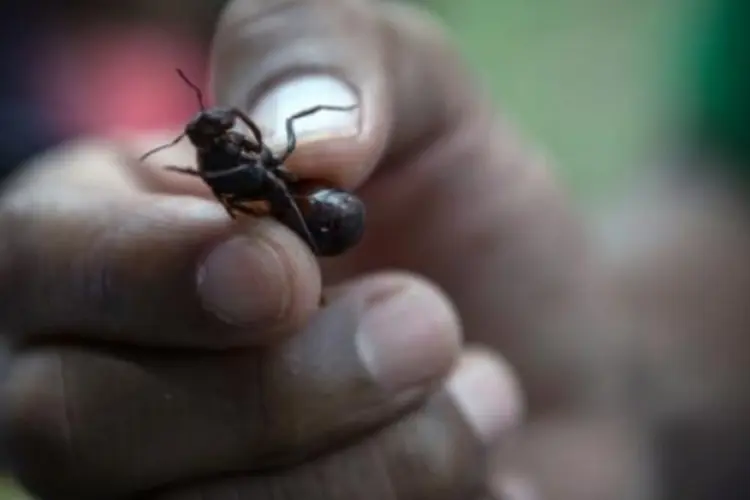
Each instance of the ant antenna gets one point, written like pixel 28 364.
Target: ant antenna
pixel 198 92
pixel 165 146
pixel 199 95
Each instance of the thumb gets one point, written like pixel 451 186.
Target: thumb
pixel 451 194
pixel 275 58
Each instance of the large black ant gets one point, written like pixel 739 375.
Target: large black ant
pixel 247 177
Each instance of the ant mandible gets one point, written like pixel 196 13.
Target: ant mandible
pixel 247 177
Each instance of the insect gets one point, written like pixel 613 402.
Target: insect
pixel 247 177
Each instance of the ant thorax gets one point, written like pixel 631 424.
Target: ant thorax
pixel 224 153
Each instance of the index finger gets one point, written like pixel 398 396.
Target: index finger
pixel 89 252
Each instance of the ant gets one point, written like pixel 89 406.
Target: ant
pixel 245 176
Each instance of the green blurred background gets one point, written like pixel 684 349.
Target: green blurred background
pixel 594 83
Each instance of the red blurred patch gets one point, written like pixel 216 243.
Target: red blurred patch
pixel 114 81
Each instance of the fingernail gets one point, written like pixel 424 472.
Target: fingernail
pixel 487 394
pixel 242 282
pixel 408 339
pixel 303 93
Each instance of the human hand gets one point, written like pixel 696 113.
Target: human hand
pixel 113 270
pixel 452 193
pixel 127 382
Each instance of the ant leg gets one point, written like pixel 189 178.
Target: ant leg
pixel 235 204
pixel 250 124
pixel 227 203
pixel 251 146
pixel 290 214
pixel 228 200
pixel 189 171
pixel 240 204
pixel 160 148
pixel 296 222
pixel 183 170
pixel 267 156
pixel 291 143
pixel 285 174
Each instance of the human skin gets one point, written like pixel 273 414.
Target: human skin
pixel 676 249
pixel 191 348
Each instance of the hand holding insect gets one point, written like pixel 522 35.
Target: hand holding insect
pixel 170 353
pixel 238 172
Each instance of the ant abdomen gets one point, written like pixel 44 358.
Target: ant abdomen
pixel 334 217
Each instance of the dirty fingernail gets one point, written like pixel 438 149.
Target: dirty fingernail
pixel 487 394
pixel 303 93
pixel 408 339
pixel 243 282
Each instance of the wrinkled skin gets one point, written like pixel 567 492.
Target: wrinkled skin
pixel 191 349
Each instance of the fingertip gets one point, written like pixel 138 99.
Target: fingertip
pixel 262 279
pixel 486 391
pixel 276 61
pixel 409 333
pixel 339 146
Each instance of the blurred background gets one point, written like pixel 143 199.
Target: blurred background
pixel 590 80
pixel 607 88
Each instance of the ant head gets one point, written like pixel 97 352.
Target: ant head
pixel 209 125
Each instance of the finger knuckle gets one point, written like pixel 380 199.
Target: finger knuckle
pixel 39 427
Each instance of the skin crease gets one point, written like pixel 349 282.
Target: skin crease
pixel 487 247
